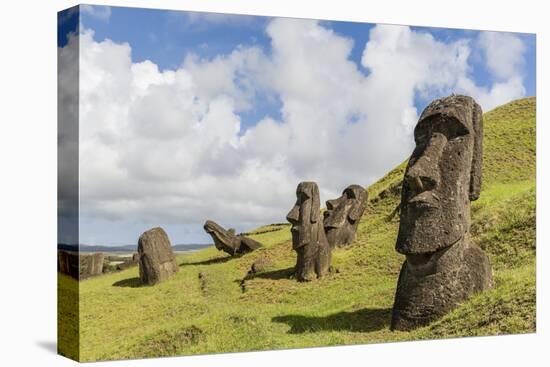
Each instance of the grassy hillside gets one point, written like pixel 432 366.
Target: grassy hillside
pixel 211 306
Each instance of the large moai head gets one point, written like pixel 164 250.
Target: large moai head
pixel 342 215
pixel 442 267
pixel 305 215
pixel 308 235
pixel 156 258
pixel 442 177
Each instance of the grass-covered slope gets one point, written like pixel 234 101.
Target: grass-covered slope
pixel 208 308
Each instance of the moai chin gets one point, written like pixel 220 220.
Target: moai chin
pixel 442 266
pixel 343 214
pixel 308 235
pixel 228 241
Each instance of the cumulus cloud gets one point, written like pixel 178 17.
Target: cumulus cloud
pixel 168 147
pixel 101 12
pixel 504 57
pixel 504 53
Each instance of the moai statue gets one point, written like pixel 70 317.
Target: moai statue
pixel 91 264
pixel 228 241
pixel 308 235
pixel 156 258
pixel 343 214
pixel 68 263
pixel 442 266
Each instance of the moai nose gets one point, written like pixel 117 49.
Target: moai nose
pixel 423 175
pixel 420 182
pixel 293 215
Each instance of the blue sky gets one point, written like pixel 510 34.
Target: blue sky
pixel 165 37
pixel 172 140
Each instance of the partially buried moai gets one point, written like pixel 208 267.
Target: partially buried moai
pixel 442 266
pixel 228 241
pixel 156 258
pixel 343 214
pixel 308 235
pixel 91 264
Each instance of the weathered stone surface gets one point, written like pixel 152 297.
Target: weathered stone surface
pixel 80 265
pixel 156 258
pixel 68 263
pixel 228 241
pixel 343 214
pixel 308 235
pixel 442 266
pixel 91 264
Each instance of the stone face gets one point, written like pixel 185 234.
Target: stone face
pixel 156 258
pixel 442 266
pixel 343 214
pixel 228 241
pixel 308 235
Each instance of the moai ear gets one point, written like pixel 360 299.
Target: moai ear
pixel 356 212
pixel 477 158
pixel 315 203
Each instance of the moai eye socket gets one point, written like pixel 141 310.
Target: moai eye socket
pixel 350 194
pixel 452 128
pixel 303 196
pixel 423 131
pixel 449 126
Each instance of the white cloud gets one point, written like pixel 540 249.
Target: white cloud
pixel 495 95
pixel 503 52
pixel 167 147
pixel 504 56
pixel 101 12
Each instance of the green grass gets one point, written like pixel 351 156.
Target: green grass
pixel 68 306
pixel 219 312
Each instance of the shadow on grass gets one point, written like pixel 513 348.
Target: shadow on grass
pixel 364 320
pixel 216 260
pixel 130 283
pixel 275 274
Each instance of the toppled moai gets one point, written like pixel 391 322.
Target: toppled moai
pixel 308 235
pixel 343 214
pixel 228 241
pixel 442 267
pixel 156 258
